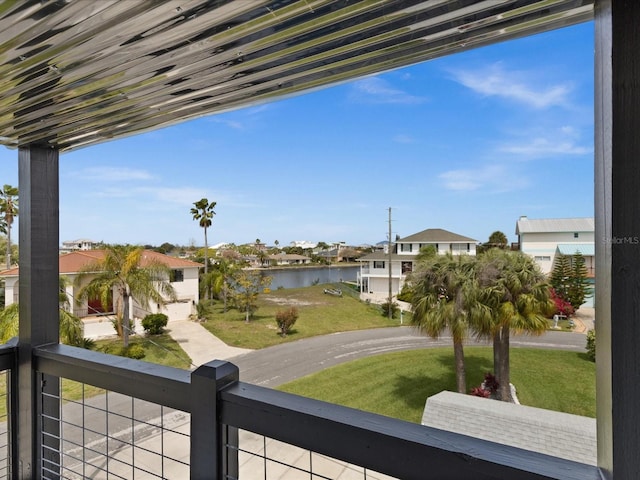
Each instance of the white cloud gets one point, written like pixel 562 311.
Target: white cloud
pixel 113 174
pixel 494 178
pixel 377 90
pixel 402 138
pixel 513 85
pixel 544 147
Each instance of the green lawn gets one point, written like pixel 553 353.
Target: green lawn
pixel 320 314
pixel 398 384
pixel 159 349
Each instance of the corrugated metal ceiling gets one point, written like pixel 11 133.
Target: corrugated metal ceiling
pixel 79 72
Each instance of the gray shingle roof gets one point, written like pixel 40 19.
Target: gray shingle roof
pixel 436 235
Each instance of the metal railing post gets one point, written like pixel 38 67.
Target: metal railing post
pixel 210 440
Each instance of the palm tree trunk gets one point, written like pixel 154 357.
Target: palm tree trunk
pixel 206 262
pixel 502 369
pixel 461 380
pixel 125 320
pixel 8 245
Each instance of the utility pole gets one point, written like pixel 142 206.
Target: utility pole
pixel 389 250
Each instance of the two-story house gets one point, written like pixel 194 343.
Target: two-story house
pixel 544 239
pixel 374 277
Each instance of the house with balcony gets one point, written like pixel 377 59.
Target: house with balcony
pixel 80 73
pixel 545 239
pixel 183 278
pixel 374 277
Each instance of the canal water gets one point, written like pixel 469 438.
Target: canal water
pixel 295 277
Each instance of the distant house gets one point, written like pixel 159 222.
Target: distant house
pixel 183 278
pixel 374 267
pixel 544 239
pixel 288 259
pixel 69 246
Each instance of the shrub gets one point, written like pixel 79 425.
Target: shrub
pixel 154 323
pixel 135 351
pixel 487 388
pixel 591 345
pixel 395 308
pixel 84 342
pixel 406 294
pixel 285 320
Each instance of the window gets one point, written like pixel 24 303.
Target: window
pixel 176 276
pixel 378 264
pixel 407 267
pixel 406 247
pixel 576 235
pixel 542 258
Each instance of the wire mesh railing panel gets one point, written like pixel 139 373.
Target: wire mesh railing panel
pixel 5 433
pixel 263 458
pixel 104 434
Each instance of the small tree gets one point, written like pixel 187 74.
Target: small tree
pixel 247 285
pixel 561 276
pixel 579 286
pixel 395 308
pixel 286 319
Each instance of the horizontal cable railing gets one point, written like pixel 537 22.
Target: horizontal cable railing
pixel 238 430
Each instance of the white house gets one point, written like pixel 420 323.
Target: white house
pixel 374 267
pixel 69 246
pixel 184 279
pixel 288 259
pixel 545 238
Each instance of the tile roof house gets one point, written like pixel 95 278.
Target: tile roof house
pixel 184 279
pixel 374 267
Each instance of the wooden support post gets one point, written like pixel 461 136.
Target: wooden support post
pixel 210 456
pixel 39 316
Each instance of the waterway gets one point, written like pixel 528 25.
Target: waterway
pixel 295 277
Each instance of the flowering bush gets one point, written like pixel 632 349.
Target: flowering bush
pixel 487 388
pixel 561 305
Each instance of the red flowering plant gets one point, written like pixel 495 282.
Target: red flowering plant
pixel 561 305
pixel 487 388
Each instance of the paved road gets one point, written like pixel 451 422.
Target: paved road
pixel 280 364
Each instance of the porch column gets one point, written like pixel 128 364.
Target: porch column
pixel 39 317
pixel 617 212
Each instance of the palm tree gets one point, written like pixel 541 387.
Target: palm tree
pixel 9 210
pixel 446 297
pixel 203 212
pixel 70 325
pixel 122 270
pixel 514 288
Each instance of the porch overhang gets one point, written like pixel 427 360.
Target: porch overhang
pixel 77 73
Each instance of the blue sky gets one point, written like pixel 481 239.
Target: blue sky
pixel 467 143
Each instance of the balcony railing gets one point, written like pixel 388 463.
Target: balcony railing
pixel 114 417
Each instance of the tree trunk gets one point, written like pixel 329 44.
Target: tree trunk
pixel 502 369
pixel 461 380
pixel 125 320
pixel 8 245
pixel 206 262
pixel 246 318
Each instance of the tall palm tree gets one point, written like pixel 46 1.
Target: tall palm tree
pixel 70 325
pixel 9 210
pixel 446 297
pixel 122 270
pixel 514 288
pixel 203 212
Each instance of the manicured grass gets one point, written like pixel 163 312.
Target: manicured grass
pixel 319 314
pixel 160 349
pixel 398 384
